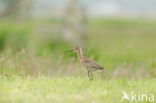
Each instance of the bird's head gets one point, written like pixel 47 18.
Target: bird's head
pixel 76 49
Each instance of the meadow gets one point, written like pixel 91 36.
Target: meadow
pixel 35 67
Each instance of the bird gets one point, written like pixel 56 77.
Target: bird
pixel 90 65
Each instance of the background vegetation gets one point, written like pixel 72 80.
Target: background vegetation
pixel 123 47
pixel 35 66
pixel 40 69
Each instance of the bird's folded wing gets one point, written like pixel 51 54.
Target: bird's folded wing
pixel 91 64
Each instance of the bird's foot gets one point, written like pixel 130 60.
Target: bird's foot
pixel 90 78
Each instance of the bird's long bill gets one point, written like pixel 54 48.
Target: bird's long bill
pixel 71 50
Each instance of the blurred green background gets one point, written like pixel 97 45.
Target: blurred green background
pixel 35 36
pixel 123 44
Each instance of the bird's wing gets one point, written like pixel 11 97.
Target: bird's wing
pixel 91 64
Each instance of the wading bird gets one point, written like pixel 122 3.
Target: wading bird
pixel 89 64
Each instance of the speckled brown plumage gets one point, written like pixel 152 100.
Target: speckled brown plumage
pixel 89 64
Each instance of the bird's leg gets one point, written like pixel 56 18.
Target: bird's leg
pixel 90 75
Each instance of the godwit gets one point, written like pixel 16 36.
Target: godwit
pixel 89 64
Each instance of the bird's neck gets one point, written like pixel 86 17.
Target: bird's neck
pixel 80 54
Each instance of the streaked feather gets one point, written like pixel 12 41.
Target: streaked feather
pixel 90 64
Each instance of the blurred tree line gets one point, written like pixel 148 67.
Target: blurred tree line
pixel 16 8
pixel 31 33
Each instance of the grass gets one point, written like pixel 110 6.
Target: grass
pixel 70 89
pixel 35 68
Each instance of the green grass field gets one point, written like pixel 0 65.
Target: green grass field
pixel 71 90
pixel 37 69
